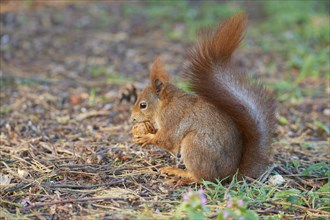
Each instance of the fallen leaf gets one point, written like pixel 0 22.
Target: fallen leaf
pixel 5 179
pixel 22 173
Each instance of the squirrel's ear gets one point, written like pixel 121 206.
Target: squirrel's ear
pixel 158 76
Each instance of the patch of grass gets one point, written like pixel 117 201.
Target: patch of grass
pixel 217 193
pixel 308 18
pixel 114 78
pixel 34 118
pixel 299 32
pixel 27 3
pixel 208 13
pixel 325 188
pixel 194 207
pixel 5 109
pixel 92 96
pixel 181 20
pixel 282 120
pixel 317 169
pixel 158 10
pixel 285 90
pixel 256 195
pixel 323 127
pixel 97 70
pixel 293 196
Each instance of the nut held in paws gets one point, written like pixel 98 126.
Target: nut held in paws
pixel 143 128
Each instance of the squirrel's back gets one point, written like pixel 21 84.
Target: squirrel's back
pixel 213 77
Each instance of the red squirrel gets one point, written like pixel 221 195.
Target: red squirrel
pixel 225 126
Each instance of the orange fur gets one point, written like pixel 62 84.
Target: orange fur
pixel 225 127
pixel 212 56
pixel 158 72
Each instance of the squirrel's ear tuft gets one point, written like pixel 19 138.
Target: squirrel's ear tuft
pixel 158 75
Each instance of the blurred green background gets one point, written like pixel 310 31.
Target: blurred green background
pixel 296 33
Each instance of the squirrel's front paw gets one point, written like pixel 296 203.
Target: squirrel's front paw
pixel 144 139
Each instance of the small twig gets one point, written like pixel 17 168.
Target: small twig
pixel 268 172
pixel 16 187
pixel 267 211
pixel 84 167
pixel 92 113
pixel 252 180
pixel 38 205
pixel 7 160
pixel 83 187
pixel 297 177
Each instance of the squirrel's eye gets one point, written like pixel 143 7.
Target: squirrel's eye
pixel 143 105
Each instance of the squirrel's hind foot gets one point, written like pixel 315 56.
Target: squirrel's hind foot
pixel 176 172
pixel 186 176
pixel 177 181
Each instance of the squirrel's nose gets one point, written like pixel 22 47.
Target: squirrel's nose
pixel 132 119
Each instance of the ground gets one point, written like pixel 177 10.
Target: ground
pixel 67 75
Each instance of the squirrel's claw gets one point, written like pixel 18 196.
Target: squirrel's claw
pixel 174 182
pixel 176 172
pixel 144 139
pixel 166 170
pixel 171 182
pixel 144 145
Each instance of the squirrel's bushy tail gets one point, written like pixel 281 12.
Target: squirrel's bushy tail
pixel 213 77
